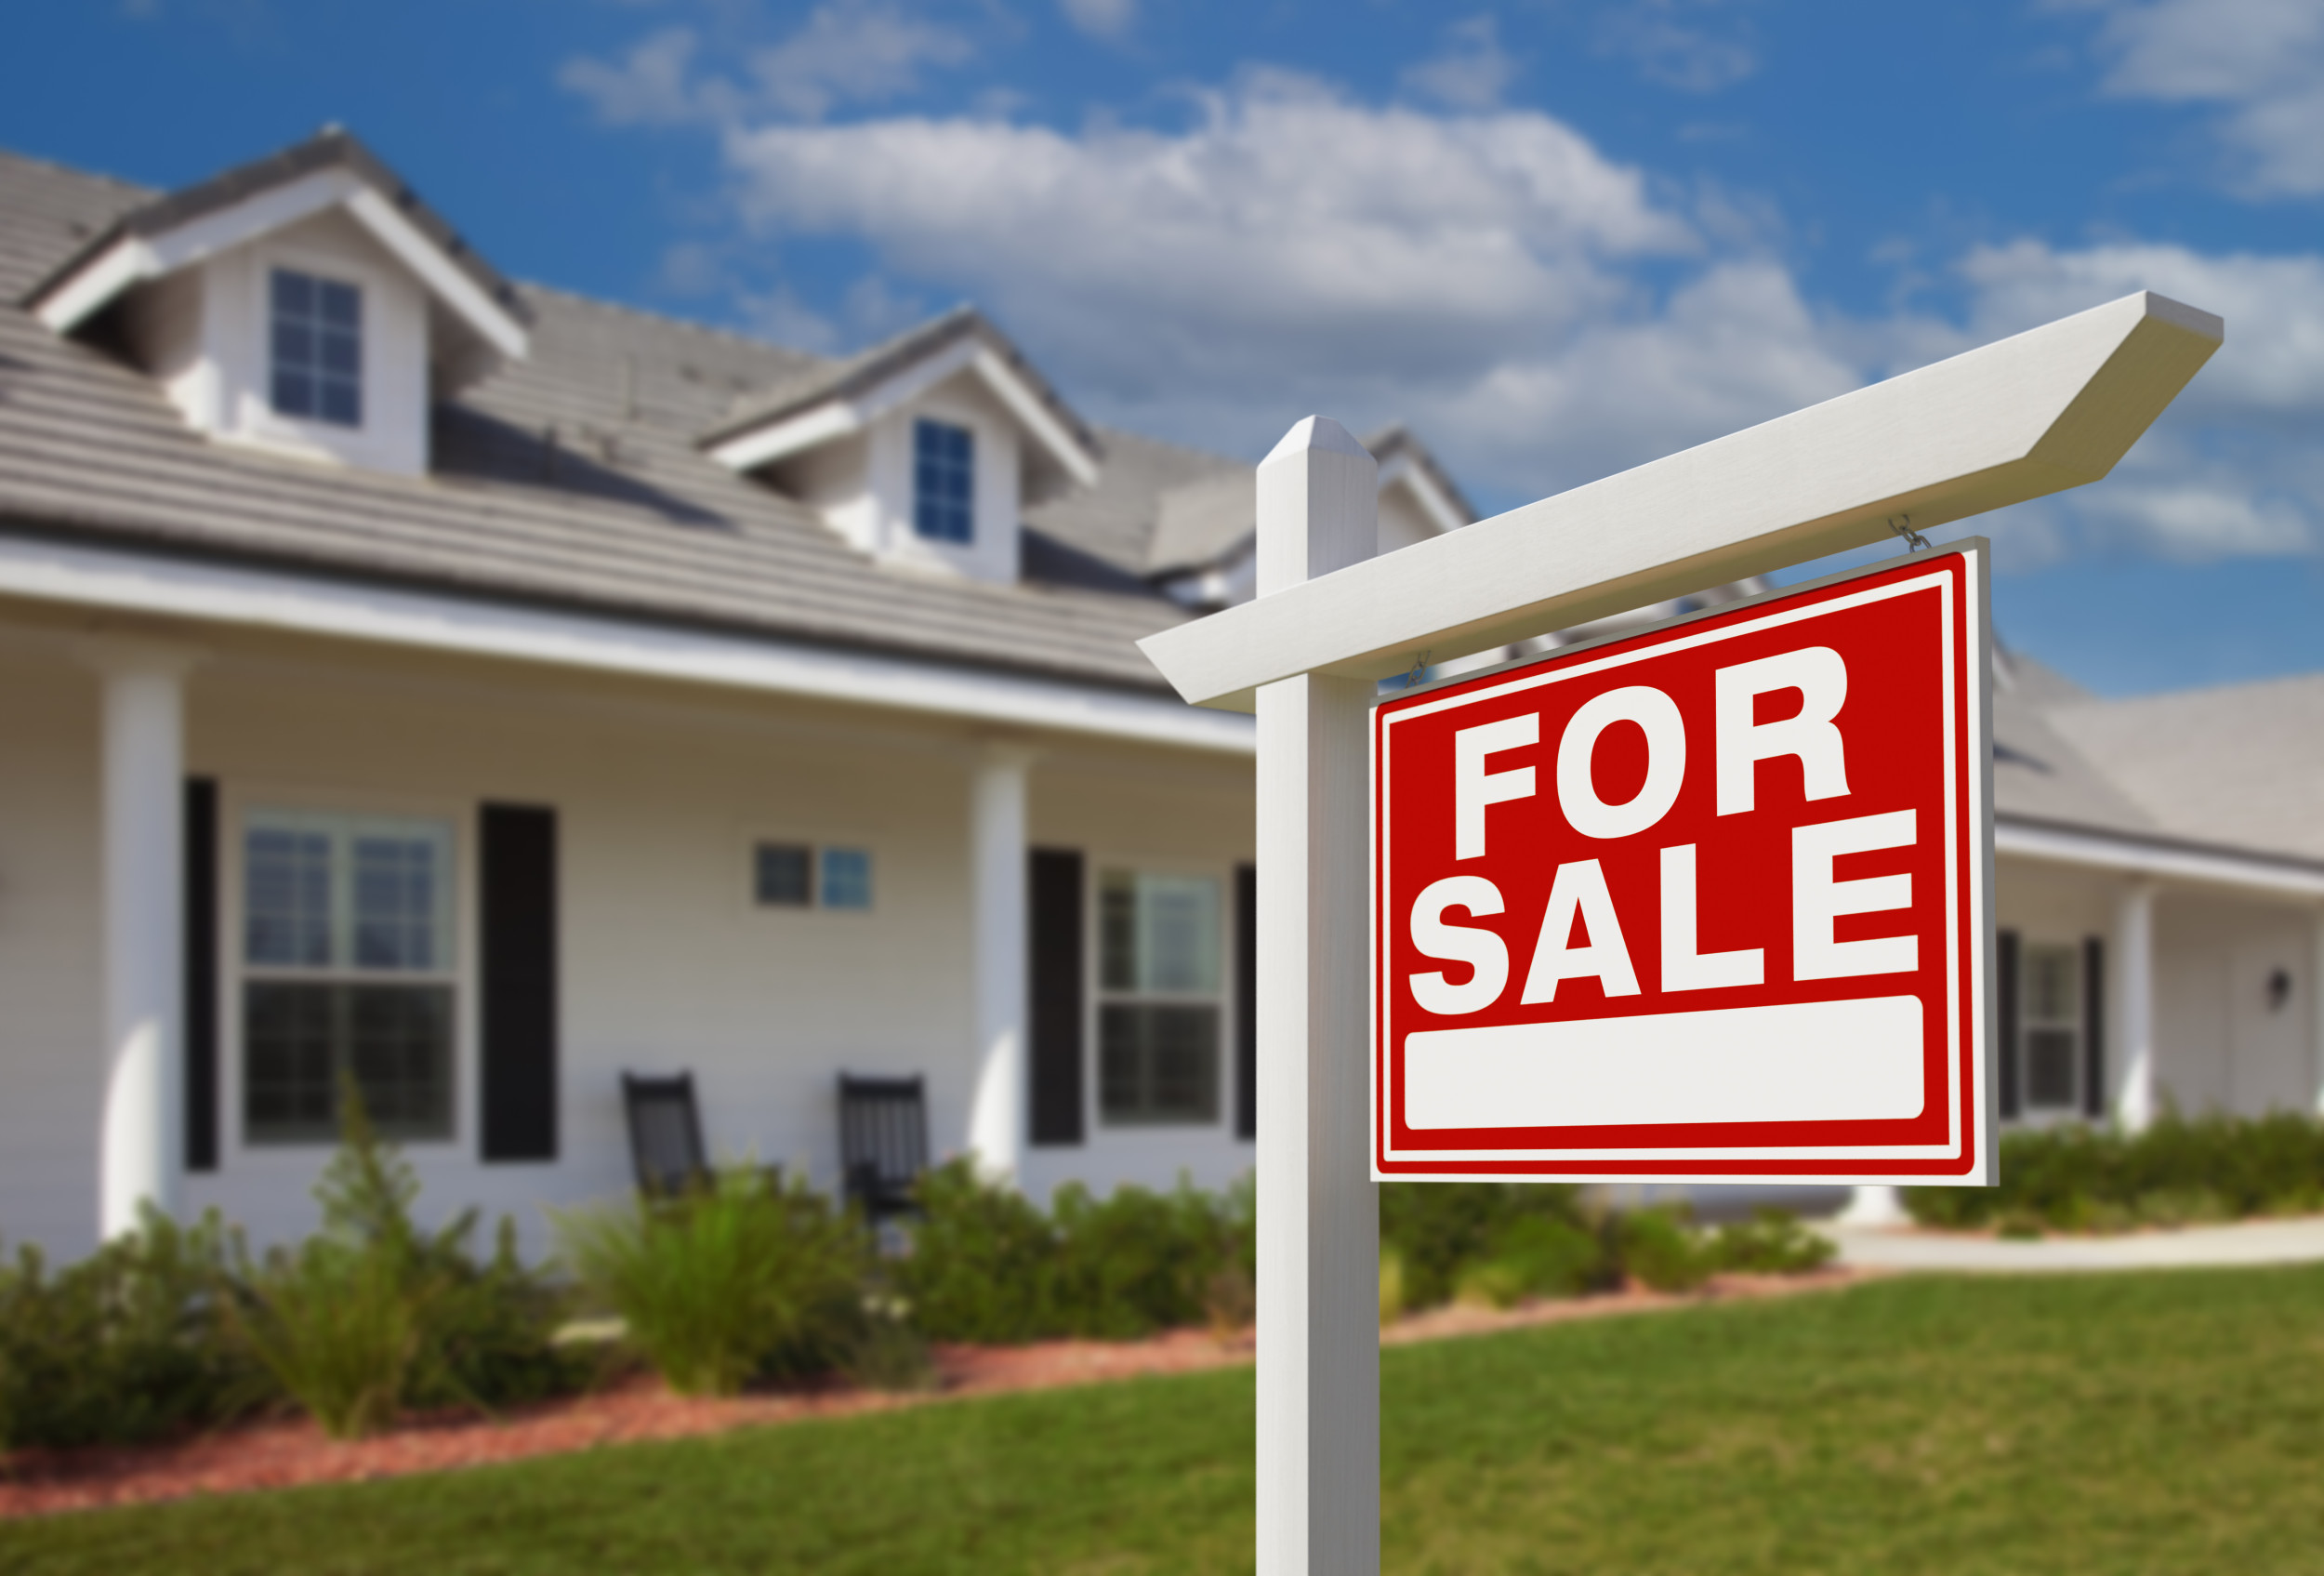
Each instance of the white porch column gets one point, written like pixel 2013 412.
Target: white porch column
pixel 997 876
pixel 1318 1209
pixel 2134 1006
pixel 140 1142
pixel 2315 1010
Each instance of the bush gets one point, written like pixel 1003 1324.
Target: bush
pixel 1548 1256
pixel 1437 1229
pixel 1392 1303
pixel 2177 1171
pixel 372 1316
pixel 748 1278
pixel 984 1261
pixel 1663 1252
pixel 130 1344
pixel 986 1265
pixel 1772 1242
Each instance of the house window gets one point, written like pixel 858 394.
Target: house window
pixel 798 875
pixel 1158 1009
pixel 2050 1025
pixel 348 970
pixel 316 348
pixel 943 480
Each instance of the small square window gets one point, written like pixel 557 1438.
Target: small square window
pixel 315 349
pixel 847 878
pixel 785 872
pixel 944 482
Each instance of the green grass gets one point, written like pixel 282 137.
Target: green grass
pixel 2159 1422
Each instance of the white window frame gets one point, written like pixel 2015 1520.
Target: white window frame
pixel 259 421
pixel 1095 995
pixel 2030 1113
pixel 237 799
pixel 817 845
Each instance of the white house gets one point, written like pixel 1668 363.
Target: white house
pixel 487 691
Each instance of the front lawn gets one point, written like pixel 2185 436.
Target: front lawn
pixel 2151 1423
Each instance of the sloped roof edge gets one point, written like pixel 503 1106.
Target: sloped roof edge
pixel 332 149
pixel 861 374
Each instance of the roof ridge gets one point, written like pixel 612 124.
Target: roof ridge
pixel 670 320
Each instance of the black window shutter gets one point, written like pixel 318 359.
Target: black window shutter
pixel 2094 1026
pixel 201 981
pixel 1053 961
pixel 2005 1003
pixel 1246 1002
pixel 517 857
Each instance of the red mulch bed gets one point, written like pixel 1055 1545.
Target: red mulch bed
pixel 281 1454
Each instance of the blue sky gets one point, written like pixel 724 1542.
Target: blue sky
pixel 1556 237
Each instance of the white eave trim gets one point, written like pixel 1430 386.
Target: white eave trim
pixel 1433 501
pixel 134 260
pixel 2158 860
pixel 836 417
pixel 117 581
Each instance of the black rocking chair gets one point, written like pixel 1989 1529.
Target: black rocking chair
pixel 665 1134
pixel 883 1143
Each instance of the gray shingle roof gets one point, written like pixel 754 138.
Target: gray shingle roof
pixel 572 477
pixel 2243 764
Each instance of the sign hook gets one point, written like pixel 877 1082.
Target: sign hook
pixel 1420 666
pixel 1902 525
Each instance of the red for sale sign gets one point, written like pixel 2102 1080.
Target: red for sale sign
pixel 1703 903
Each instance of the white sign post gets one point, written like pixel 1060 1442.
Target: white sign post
pixel 2043 411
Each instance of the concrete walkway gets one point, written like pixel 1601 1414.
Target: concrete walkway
pixel 2250 1242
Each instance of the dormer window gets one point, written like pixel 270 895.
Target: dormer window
pixel 316 349
pixel 943 480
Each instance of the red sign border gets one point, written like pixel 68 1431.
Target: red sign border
pixel 1971 1160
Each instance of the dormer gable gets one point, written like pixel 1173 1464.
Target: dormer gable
pixel 1202 548
pixel 923 452
pixel 308 303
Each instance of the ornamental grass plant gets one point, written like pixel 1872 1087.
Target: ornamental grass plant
pixel 748 1277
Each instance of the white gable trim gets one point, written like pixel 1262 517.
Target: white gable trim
pixel 134 260
pixel 1433 500
pixel 837 418
pixel 220 594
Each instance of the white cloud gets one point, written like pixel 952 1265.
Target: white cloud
pixel 1101 18
pixel 2261 61
pixel 848 51
pixel 1694 45
pixel 1473 72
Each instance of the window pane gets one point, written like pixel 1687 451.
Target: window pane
pixel 944 478
pixel 784 871
pixel 1117 931
pixel 1157 1064
pixel 288 1065
pixel 396 1040
pixel 315 348
pixel 2053 977
pixel 399 881
pixel 1178 922
pixel 2050 1057
pixel 399 1046
pixel 847 880
pixel 286 895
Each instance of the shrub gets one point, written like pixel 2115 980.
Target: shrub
pixel 983 1260
pixel 1548 1256
pixel 1662 1251
pixel 1772 1242
pixel 1437 1227
pixel 373 1316
pixel 130 1344
pixel 2178 1171
pixel 1136 1261
pixel 750 1277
